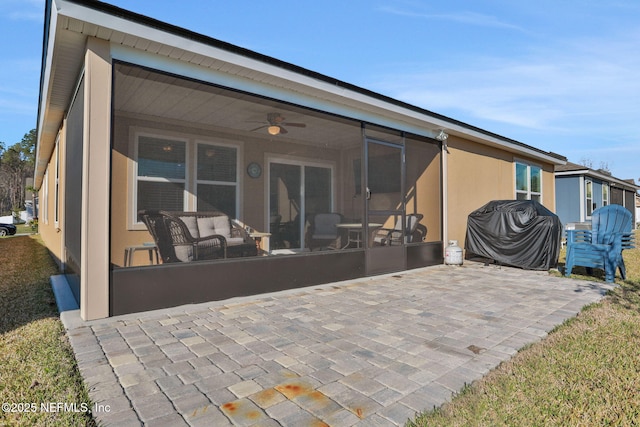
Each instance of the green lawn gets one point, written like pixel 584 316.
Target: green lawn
pixel 37 365
pixel 585 373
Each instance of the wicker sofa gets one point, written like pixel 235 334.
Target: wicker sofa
pixel 196 236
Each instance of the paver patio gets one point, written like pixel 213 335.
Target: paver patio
pixel 369 352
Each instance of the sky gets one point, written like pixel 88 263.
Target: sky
pixel 562 76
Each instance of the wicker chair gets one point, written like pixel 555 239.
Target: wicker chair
pixel 196 236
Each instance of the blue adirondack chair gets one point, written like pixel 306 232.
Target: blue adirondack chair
pixel 602 246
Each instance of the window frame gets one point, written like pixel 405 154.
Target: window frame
pixel 196 181
pixel 588 188
pixel 56 187
pixel 190 198
pixel 44 217
pixel 528 192
pixel 605 194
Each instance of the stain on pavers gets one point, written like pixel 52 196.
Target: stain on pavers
pixel 267 398
pixel 243 412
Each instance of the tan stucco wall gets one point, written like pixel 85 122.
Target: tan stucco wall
pixel 94 271
pixel 51 234
pixel 423 169
pixel 477 174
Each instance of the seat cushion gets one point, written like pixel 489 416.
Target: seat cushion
pixel 325 225
pixel 184 253
pixel 208 226
pixel 192 225
pixel 324 236
pixel 231 241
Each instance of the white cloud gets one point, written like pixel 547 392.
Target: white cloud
pixel 462 17
pixel 23 10
pixel 585 81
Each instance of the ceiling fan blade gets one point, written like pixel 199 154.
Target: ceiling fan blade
pixel 258 128
pixel 295 125
pixel 283 130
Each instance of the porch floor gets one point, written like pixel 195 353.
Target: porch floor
pixel 364 352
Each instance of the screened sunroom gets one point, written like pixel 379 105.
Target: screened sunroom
pixel 216 192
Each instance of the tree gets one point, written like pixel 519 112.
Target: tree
pixel 604 166
pixel 16 164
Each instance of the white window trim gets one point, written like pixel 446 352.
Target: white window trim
pixel 190 181
pixel 45 198
pixel 529 193
pixel 197 181
pixel 56 187
pixel 605 197
pixel 588 202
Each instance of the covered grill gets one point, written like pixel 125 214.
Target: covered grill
pixel 521 233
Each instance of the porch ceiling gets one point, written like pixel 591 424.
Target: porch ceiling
pixel 170 99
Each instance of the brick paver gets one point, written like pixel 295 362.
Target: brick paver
pixel 367 352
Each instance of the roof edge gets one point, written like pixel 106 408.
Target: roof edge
pixel 211 41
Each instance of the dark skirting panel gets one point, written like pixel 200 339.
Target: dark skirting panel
pixel 424 254
pixel 137 289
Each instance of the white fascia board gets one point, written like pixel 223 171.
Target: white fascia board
pixel 41 164
pixel 502 144
pixel 574 172
pixel 600 176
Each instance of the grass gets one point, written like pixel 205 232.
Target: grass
pixel 37 365
pixel 585 373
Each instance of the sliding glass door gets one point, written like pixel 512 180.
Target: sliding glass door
pixel 297 191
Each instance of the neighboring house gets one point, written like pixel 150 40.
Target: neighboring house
pixel 138 114
pixel 581 190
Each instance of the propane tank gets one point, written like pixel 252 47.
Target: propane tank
pixel 453 253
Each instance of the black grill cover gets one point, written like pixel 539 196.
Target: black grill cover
pixel 521 233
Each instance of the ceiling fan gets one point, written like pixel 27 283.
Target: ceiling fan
pixel 275 124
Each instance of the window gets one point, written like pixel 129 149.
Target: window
pixel 56 188
pixel 217 178
pixel 161 175
pixel 605 194
pixel 589 197
pixel 528 182
pixel 167 174
pixel 44 213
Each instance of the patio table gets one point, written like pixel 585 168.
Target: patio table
pixel 354 232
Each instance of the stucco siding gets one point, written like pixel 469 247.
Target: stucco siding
pixel 49 230
pixel 476 175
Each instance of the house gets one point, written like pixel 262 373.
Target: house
pixel 136 114
pixel 637 210
pixel 580 190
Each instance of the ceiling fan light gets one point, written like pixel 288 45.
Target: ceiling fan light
pixel 273 129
